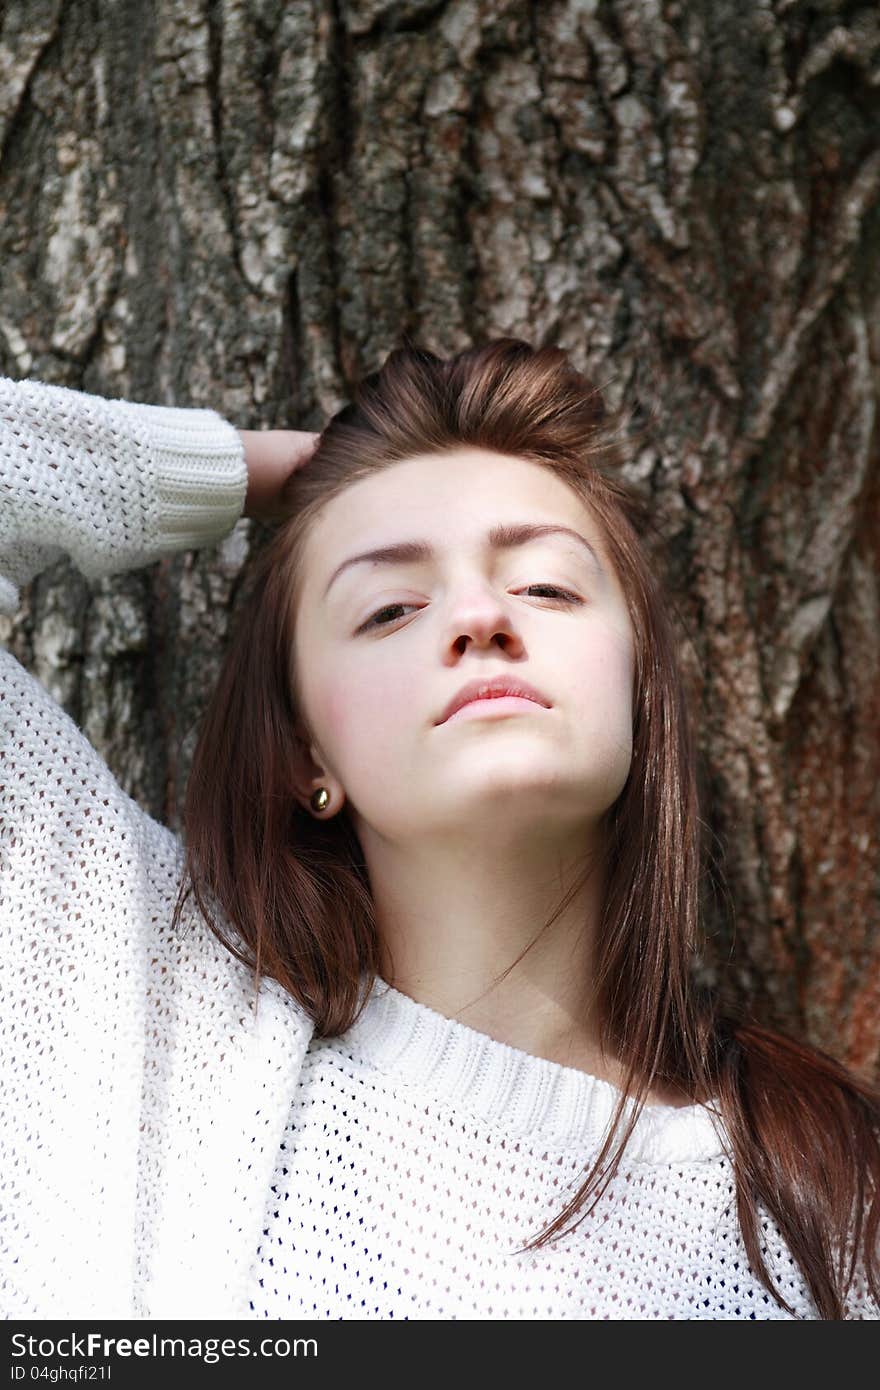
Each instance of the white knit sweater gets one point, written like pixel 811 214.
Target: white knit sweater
pixel 169 1150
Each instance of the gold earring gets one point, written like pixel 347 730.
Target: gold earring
pixel 320 799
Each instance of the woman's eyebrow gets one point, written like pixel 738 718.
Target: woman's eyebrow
pixel 503 537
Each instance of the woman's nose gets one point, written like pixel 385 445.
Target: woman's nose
pixel 481 618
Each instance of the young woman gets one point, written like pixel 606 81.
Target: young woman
pixel 406 1026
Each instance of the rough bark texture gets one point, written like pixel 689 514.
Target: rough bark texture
pixel 243 205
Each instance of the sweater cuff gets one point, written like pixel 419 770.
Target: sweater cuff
pixel 199 475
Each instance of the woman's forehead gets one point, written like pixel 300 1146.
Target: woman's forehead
pixel 455 497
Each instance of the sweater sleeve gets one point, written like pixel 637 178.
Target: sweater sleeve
pixel 115 1030
pixel 112 484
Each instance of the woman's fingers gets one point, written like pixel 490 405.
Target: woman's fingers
pixel 272 456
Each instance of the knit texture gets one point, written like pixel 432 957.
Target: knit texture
pixel 172 1146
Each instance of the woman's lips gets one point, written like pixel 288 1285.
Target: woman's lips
pixel 500 686
pixel 487 706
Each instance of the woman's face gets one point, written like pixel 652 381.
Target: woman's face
pixel 382 646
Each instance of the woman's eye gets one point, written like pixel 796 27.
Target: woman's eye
pixel 554 588
pixel 378 621
pixel 379 618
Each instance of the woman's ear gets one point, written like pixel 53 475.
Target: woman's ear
pixel 316 789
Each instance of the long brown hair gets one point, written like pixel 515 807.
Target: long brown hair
pixel 289 894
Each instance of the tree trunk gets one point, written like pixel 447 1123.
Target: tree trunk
pixel 243 205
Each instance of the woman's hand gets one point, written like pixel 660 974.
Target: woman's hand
pixel 272 456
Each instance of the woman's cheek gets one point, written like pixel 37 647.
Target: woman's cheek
pixel 604 671
pixel 346 708
pixel 362 712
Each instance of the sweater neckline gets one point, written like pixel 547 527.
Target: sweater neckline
pixel 513 1090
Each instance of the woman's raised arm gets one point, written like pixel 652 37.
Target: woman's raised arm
pixel 117 1149
pixel 112 484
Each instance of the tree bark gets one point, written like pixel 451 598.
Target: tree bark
pixel 244 204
